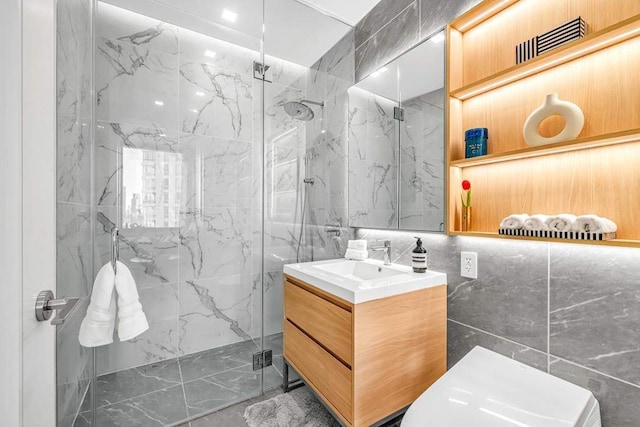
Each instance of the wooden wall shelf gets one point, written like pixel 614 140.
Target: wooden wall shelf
pixel 615 242
pixel 623 137
pixel 595 173
pixel 607 37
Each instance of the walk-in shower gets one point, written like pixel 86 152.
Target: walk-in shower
pixel 165 132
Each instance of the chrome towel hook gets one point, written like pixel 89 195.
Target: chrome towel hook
pixel 115 248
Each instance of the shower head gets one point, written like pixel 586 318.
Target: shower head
pixel 301 111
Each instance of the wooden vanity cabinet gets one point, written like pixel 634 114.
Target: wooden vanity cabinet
pixel 369 360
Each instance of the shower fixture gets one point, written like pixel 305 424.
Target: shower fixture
pixel 301 111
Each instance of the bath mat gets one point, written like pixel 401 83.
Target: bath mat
pixel 298 408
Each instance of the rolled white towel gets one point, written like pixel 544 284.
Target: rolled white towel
pixel 359 245
pixel 514 222
pixel 594 224
pixel 561 222
pixel 536 222
pixel 356 254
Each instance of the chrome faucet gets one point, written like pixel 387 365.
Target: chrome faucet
pixel 387 251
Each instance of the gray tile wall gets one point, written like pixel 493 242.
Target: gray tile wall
pixel 570 310
pixel 74 210
pixel 394 26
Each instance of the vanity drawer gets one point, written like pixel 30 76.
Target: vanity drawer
pixel 325 373
pixel 325 322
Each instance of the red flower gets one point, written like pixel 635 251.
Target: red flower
pixel 466 185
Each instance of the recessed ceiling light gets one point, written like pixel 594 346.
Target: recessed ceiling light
pixel 160 103
pixel 200 93
pixel 438 38
pixel 229 15
pixel 193 110
pixel 209 53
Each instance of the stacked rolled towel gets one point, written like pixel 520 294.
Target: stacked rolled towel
pixel 514 222
pixel 536 222
pixel 561 222
pixel 357 250
pixel 594 224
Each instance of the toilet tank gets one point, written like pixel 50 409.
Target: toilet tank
pixel 486 389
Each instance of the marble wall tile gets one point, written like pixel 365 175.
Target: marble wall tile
pixel 73 250
pixel 618 400
pixel 396 37
pixel 151 254
pixel 136 85
pixel 73 159
pixel 273 300
pixel 434 15
pixel 381 14
pixel 462 339
pixel 135 29
pixel 280 128
pixel 158 343
pixel 217 173
pixel 595 308
pixel 214 312
pixel 327 165
pixel 215 242
pixel 215 102
pixel 340 52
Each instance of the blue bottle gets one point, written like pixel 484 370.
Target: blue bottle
pixel 476 142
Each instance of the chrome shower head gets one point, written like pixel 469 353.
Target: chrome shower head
pixel 301 111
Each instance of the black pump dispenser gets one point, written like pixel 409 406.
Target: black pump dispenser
pixel 419 258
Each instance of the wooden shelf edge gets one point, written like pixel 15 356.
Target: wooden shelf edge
pixel 602 39
pixel 480 13
pixel 614 138
pixel 629 243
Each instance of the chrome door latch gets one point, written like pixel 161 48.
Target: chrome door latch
pixel 46 305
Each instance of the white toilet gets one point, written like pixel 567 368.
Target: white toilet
pixel 486 389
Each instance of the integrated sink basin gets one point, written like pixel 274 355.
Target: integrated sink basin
pixel 361 281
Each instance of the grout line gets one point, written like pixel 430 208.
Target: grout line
pixel 496 336
pixel 388 22
pixel 549 355
pixel 184 393
pixel 548 307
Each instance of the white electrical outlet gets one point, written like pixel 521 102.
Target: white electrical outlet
pixel 469 265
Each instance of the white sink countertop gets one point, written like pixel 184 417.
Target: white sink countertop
pixel 361 281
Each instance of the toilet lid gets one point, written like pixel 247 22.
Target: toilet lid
pixel 486 389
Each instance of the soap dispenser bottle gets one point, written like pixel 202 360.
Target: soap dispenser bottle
pixel 419 258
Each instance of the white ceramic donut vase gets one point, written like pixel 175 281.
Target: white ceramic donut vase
pixel 552 105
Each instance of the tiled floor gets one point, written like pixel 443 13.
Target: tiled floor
pixel 233 416
pixel 166 392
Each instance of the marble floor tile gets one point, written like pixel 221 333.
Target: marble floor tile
pixel 123 385
pixel 158 408
pixel 210 362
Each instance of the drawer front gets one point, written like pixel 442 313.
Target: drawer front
pixel 325 373
pixel 327 323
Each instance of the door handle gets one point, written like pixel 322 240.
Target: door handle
pixel 46 305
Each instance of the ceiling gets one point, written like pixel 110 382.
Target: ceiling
pixel 348 11
pixel 294 30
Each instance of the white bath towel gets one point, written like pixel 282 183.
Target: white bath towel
pixel 97 326
pixel 356 254
pixel 131 319
pixel 536 222
pixel 514 222
pixel 359 245
pixel 561 222
pixel 594 224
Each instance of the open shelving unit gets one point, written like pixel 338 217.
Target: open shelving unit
pixel 596 173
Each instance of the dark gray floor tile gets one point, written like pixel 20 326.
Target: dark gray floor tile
pixel 210 362
pixel 595 308
pixel 232 416
pixel 113 388
pixel 220 390
pixel 154 409
pixel 618 401
pixel 461 340
pixel 274 342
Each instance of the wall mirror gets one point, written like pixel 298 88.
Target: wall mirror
pixel 396 142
